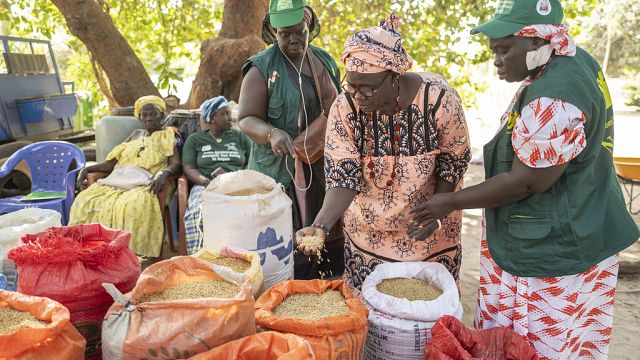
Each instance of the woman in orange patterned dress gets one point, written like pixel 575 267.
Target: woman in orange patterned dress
pixel 393 139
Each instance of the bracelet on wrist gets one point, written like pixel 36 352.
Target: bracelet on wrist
pixel 206 182
pixel 271 132
pixel 324 228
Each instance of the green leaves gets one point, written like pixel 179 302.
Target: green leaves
pixel 167 77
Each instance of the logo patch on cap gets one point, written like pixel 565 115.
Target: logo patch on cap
pixel 543 7
pixel 504 7
pixel 284 5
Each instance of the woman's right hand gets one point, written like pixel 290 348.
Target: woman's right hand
pixel 81 181
pixel 281 143
pixel 310 231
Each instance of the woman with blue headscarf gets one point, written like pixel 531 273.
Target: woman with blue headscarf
pixel 207 154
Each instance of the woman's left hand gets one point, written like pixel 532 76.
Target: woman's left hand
pixel 158 181
pixel 425 216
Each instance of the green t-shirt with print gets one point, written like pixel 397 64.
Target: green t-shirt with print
pixel 202 151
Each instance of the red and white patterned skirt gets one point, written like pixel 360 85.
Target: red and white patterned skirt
pixel 566 317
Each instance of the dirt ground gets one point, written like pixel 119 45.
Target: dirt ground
pixel 626 325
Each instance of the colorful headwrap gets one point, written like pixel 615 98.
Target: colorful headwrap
pixel 561 42
pixel 146 100
pixel 377 49
pixel 212 105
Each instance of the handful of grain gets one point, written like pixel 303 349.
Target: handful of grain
pixel 220 289
pixel 410 289
pixel 317 243
pixel 311 242
pixel 235 264
pixel 12 320
pixel 248 192
pixel 312 306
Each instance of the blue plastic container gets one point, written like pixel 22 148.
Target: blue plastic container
pixel 3 282
pixel 33 110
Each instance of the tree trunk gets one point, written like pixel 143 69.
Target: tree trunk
pixel 127 76
pixel 222 57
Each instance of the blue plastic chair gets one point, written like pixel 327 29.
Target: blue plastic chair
pixel 49 163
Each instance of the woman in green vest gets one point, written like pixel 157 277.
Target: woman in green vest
pixel 555 218
pixel 285 97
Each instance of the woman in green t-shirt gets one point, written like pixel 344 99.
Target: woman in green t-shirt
pixel 207 154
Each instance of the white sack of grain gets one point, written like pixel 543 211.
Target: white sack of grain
pixel 399 328
pixel 260 222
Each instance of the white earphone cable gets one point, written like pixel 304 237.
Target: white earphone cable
pixel 306 121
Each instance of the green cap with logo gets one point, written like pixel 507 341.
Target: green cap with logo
pixel 285 13
pixel 512 15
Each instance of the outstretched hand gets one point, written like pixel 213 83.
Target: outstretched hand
pixel 309 248
pixel 425 216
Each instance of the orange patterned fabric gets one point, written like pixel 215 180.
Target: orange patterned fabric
pixel 376 221
pixel 564 318
pixel 377 49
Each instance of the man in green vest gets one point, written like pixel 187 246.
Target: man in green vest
pixel 286 94
pixel 555 218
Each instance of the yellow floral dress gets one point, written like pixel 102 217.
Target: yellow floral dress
pixel 135 210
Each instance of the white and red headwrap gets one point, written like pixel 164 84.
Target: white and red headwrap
pixel 560 40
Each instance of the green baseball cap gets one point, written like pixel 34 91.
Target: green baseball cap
pixel 512 15
pixel 285 13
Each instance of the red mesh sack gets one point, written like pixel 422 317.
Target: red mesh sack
pixel 68 264
pixel 453 341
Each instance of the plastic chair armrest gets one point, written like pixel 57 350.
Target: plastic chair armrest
pixel 162 195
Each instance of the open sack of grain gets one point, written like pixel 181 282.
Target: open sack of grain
pixel 268 345
pixel 406 299
pixel 236 263
pixel 179 307
pixel 325 313
pixel 68 264
pixel 251 211
pixel 34 327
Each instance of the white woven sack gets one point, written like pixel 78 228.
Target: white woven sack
pixel 262 222
pixel 399 328
pixel 16 224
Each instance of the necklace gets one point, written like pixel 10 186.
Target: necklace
pixel 369 151
pixel 218 140
pixel 141 150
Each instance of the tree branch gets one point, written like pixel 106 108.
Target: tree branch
pixel 102 83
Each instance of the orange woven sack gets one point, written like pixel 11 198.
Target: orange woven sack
pixel 174 329
pixel 59 340
pixel 336 337
pixel 268 345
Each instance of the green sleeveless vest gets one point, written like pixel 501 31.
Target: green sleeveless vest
pixel 581 220
pixel 283 107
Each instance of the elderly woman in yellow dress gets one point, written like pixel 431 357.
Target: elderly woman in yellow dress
pixel 139 168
